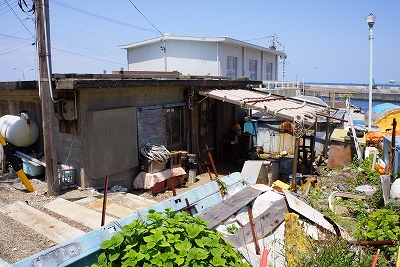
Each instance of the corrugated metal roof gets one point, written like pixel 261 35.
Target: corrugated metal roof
pixel 290 109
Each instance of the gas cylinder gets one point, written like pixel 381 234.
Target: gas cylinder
pixel 19 130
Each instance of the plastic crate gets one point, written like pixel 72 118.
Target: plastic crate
pixel 66 175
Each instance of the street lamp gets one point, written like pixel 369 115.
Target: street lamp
pixel 370 19
pixel 394 83
pixel 315 67
pixel 23 71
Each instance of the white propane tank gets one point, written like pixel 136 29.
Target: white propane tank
pixel 19 130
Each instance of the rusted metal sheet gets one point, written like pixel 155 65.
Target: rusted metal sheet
pixel 283 107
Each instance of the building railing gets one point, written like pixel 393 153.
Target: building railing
pixel 280 84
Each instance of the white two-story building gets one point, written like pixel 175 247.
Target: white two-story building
pixel 201 56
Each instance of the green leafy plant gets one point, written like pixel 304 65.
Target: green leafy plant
pixel 367 175
pixel 168 239
pixel 223 188
pixel 334 251
pixel 232 229
pixel 382 224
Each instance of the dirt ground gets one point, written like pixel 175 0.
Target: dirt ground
pixel 18 242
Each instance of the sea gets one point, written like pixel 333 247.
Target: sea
pixel 363 104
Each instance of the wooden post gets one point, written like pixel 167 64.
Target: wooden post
pixel 312 147
pixel 392 150
pixel 295 162
pixel 43 44
pixel 326 138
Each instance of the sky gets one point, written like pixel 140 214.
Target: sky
pixel 331 35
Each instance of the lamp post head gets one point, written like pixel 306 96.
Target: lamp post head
pixel 370 19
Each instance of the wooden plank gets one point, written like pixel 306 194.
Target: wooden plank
pixel 265 223
pixel 222 211
pixel 307 211
pixel 41 222
pixel 111 208
pixel 78 213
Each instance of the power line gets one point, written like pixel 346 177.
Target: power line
pixel 9 36
pixel 99 16
pixel 61 50
pixel 16 49
pixel 19 18
pixel 146 18
pixel 83 46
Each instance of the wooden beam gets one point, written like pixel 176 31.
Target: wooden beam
pixel 265 223
pixel 222 211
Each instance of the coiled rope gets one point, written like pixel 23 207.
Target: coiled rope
pixel 155 152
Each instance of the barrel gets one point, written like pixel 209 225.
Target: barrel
pixel 19 130
pixel 275 170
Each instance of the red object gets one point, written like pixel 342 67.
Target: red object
pixel 375 259
pixel 264 258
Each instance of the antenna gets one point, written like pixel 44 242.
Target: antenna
pixel 274 39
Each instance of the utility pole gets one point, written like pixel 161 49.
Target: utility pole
pixel 43 45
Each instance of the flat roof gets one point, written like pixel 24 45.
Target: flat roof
pixel 224 39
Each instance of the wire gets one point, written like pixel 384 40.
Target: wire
pixel 9 36
pixel 84 47
pixel 18 18
pixel 146 18
pixel 158 153
pixel 104 60
pixel 16 49
pixel 99 16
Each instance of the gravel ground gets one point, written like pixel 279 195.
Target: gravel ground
pixel 18 242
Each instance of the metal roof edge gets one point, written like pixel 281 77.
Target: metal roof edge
pixel 224 39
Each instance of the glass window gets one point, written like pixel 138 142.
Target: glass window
pixel 173 118
pixel 269 71
pixel 206 117
pixel 253 69
pixel 231 67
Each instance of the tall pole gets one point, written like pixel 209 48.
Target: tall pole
pixel 371 21
pixel 315 67
pixel 43 46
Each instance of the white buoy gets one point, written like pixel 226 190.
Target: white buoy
pixel 395 190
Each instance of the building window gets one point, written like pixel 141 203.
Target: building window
pixel 173 118
pixel 231 67
pixel 269 71
pixel 206 117
pixel 253 69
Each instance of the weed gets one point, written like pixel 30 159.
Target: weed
pixel 168 239
pixel 382 224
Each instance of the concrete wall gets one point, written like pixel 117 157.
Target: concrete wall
pixel 104 104
pixel 199 58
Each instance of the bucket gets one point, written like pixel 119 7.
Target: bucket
pixel 191 161
pixel 192 176
pixel 253 155
pixel 298 178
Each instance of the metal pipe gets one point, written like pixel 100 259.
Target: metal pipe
pixel 103 213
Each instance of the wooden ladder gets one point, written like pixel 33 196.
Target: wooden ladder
pixel 356 143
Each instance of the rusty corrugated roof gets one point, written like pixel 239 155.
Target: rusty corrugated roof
pixel 290 109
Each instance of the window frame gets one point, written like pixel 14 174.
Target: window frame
pixel 231 67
